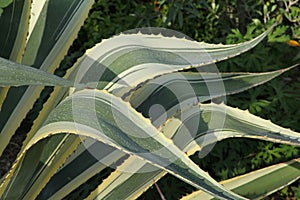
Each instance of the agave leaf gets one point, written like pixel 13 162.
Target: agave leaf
pixel 35 58
pixel 17 74
pixel 14 74
pixel 52 157
pixel 69 16
pixel 78 170
pixel 113 127
pixel 17 103
pixel 133 174
pixel 47 160
pixel 171 90
pixel 237 123
pixel 124 184
pixel 119 63
pixel 45 48
pixel 218 121
pixel 3 93
pixel 245 76
pixel 139 180
pixel 13 35
pixel 142 56
pixel 157 91
pixel 124 61
pixel 260 183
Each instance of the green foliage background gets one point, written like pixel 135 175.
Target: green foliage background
pixel 228 21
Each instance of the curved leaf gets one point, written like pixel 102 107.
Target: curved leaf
pixel 124 61
pixel 218 121
pixel 80 169
pixel 103 117
pixel 179 129
pixel 46 46
pixel 171 90
pixel 257 184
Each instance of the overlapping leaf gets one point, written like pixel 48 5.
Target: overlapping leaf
pixel 130 133
pixel 214 123
pixel 124 61
pixel 217 52
pixel 218 121
pixel 198 81
pixel 38 34
pixel 121 64
pixel 173 89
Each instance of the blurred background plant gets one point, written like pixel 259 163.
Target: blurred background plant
pixel 4 4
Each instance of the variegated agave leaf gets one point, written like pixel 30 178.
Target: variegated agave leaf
pixel 249 80
pixel 135 135
pixel 257 184
pixel 173 90
pixel 28 38
pixel 14 74
pixel 236 123
pixel 121 63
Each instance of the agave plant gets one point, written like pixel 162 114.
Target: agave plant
pixel 138 104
